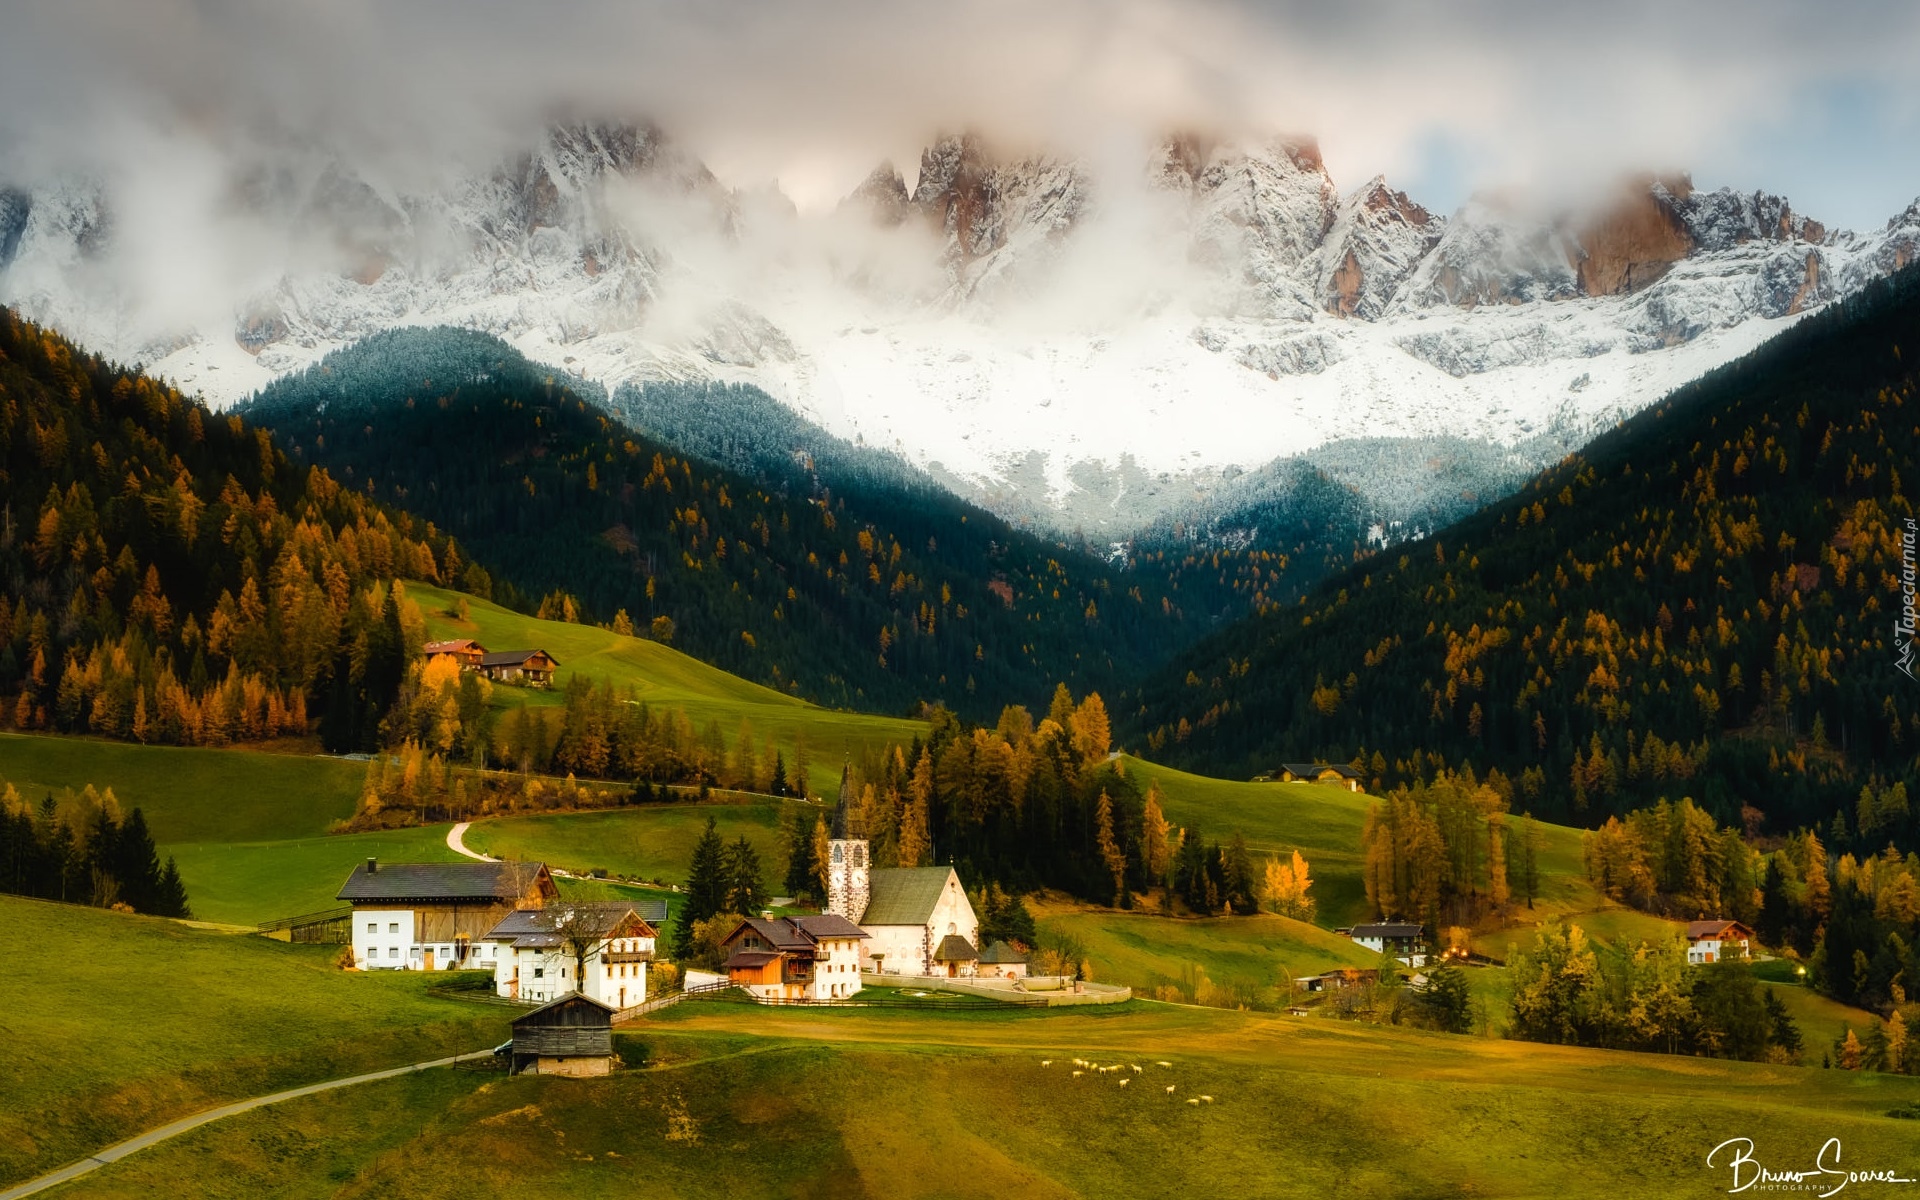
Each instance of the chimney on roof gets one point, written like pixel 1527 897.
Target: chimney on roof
pixel 373 864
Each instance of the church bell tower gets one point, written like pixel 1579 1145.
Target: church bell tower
pixel 847 857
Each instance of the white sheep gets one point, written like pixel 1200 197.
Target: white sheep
pixel 1206 1099
pixel 1125 1082
pixel 1078 1074
pixel 1193 1102
pixel 1046 1062
pixel 1136 1067
pixel 1165 1064
pixel 1170 1089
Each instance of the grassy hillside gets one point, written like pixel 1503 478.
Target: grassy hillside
pixel 191 794
pixel 133 1021
pixel 892 1104
pixel 645 843
pixel 1146 951
pixel 664 676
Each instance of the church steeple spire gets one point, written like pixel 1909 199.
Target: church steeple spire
pixel 847 854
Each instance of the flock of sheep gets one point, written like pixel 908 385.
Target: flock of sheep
pixel 1082 1066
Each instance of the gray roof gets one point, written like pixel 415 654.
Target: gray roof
pixel 954 948
pixel 904 895
pixel 1387 929
pixel 1001 952
pixel 511 658
pixel 829 925
pixel 488 881
pixel 528 924
pixel 846 823
pixel 1341 769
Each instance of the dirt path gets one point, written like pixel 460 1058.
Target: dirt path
pixel 456 842
pixel 117 1152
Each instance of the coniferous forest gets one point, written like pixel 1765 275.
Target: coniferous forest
pixel 177 579
pixel 1700 604
pixel 881 594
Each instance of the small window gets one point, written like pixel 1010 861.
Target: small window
pixel 393 927
pixel 539 972
pixel 393 952
pixel 373 927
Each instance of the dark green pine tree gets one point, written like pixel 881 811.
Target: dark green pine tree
pixel 706 889
pixel 1237 867
pixel 136 864
pixel 799 878
pixel 745 893
pixel 171 900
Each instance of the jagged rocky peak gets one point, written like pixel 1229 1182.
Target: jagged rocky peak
pixel 1378 237
pixel 882 196
pixel 1494 251
pixel 984 201
pixel 1636 238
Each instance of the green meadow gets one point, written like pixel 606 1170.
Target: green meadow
pixel 130 1022
pixel 662 676
pixel 734 1099
pixel 648 842
pixel 1143 950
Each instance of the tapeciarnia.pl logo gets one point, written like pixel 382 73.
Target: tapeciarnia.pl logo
pixel 1825 1178
pixel 1903 628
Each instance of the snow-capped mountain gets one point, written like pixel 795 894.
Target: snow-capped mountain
pixel 1032 328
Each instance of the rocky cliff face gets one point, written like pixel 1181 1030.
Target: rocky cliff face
pixel 1222 305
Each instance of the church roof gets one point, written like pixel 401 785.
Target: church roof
pixel 954 948
pixel 847 824
pixel 904 895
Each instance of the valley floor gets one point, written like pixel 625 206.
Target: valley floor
pixel 730 1098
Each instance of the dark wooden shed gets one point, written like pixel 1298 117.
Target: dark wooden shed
pixel 569 1036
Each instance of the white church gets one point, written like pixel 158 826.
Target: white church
pixel 918 920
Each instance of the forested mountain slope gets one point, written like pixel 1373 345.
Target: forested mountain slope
pixel 1702 602
pixel 878 594
pixel 168 575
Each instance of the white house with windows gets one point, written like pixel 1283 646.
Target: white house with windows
pixel 1714 941
pixel 536 953
pixel 795 958
pixel 434 916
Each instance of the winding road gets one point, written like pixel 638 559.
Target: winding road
pixel 115 1153
pixel 456 842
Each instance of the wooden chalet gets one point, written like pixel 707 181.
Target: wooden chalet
pixel 795 958
pixel 1333 773
pixel 429 916
pixel 571 1036
pixel 1713 941
pixel 464 651
pixel 532 667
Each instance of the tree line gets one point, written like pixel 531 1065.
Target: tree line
pixel 80 850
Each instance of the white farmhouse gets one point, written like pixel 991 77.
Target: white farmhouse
pixel 1713 941
pixel 539 952
pixel 435 916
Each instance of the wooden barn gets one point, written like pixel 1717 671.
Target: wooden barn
pixel 571 1036
pixel 1334 773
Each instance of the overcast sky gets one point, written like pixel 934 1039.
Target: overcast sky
pixel 1820 102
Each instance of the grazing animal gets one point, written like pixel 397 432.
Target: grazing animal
pixel 1046 1062
pixel 1193 1102
pixel 1165 1064
pixel 1078 1074
pixel 1136 1067
pixel 1170 1089
pixel 1207 1099
pixel 1125 1082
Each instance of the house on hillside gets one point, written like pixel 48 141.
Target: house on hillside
pixel 571 1036
pixel 1714 941
pixel 533 952
pixel 534 668
pixel 436 916
pixel 1336 774
pixel 1338 980
pixel 464 651
pixel 1403 938
pixel 795 958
